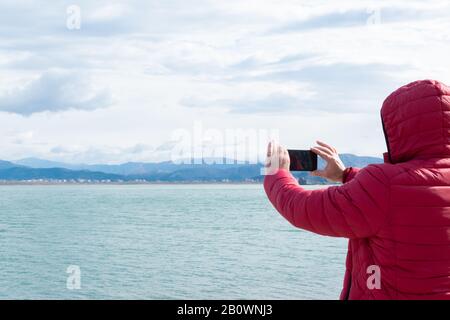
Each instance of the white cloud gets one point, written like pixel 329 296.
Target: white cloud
pixel 285 64
pixel 108 12
pixel 54 92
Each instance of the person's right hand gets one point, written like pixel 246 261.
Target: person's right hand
pixel 334 170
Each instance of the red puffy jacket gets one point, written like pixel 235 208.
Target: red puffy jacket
pixel 396 214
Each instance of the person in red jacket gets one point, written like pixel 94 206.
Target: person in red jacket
pixel 396 215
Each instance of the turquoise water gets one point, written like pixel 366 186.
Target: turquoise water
pixel 159 242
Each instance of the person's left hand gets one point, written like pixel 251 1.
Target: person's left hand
pixel 277 158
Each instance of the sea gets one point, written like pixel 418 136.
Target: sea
pixel 172 241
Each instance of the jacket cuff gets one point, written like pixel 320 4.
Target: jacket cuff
pixel 280 173
pixel 270 179
pixel 349 174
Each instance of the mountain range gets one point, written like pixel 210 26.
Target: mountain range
pixel 212 170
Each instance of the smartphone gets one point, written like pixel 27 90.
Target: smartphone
pixel 302 160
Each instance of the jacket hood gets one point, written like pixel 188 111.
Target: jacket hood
pixel 416 121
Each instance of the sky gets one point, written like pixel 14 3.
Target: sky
pixel 117 81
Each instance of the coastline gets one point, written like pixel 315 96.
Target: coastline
pixel 133 183
pixel 40 183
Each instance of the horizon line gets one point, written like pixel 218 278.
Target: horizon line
pixel 185 161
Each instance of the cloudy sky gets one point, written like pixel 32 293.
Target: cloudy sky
pixel 115 81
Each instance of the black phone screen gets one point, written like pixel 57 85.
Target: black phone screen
pixel 302 160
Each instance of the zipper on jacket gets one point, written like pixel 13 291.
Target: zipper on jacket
pixel 386 138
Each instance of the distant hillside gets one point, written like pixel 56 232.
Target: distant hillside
pixel 24 173
pixel 6 165
pixel 205 172
pixel 129 168
pixel 31 168
pixel 350 160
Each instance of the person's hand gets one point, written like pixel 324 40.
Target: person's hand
pixel 277 158
pixel 334 170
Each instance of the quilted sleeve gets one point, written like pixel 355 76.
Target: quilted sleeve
pixel 356 209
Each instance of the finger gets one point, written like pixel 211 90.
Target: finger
pixel 324 149
pixel 286 156
pixel 318 173
pixel 325 145
pixel 280 151
pixel 323 152
pixel 274 148
pixel 274 158
pixel 330 146
pixel 270 149
pixel 319 153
